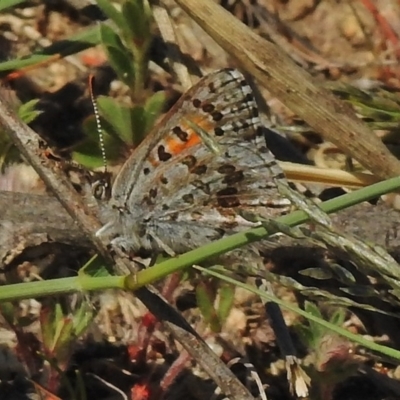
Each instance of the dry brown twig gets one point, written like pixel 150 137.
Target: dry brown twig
pixel 334 119
pixel 168 34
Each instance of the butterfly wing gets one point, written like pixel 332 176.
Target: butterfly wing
pixel 205 162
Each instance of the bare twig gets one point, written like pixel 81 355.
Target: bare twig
pixel 25 212
pixel 334 119
pixel 168 34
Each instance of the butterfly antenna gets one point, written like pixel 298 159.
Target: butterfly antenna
pixel 98 122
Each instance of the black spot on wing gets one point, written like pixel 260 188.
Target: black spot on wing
pixel 199 169
pixel 227 197
pixel 217 116
pixel 219 131
pixel 162 154
pixel 180 133
pixel 189 161
pixel 196 103
pixel 208 108
pixel 233 178
pixel 226 169
pixel 188 198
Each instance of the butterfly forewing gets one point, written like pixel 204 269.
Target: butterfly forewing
pixel 182 191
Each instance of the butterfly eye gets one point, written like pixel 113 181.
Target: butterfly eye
pixel 101 189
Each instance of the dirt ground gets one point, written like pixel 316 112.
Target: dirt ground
pixel 336 42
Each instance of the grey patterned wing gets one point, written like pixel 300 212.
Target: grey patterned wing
pixel 196 193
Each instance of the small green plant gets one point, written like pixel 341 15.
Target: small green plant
pixel 127 49
pixel 215 300
pixel 8 152
pixel 46 357
pixel 332 357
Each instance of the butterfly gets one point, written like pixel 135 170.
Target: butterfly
pixel 203 165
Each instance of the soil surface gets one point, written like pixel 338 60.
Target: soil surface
pixel 125 353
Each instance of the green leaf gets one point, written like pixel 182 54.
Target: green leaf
pixel 118 116
pixel 348 92
pixel 139 122
pixel 82 318
pixel 94 267
pixel 20 63
pixel 121 63
pixel 118 55
pixel 110 38
pixel 153 108
pixel 205 299
pixel 64 334
pixel 8 313
pixel 316 273
pixel 226 298
pixel 312 309
pixel 48 325
pixel 137 19
pixel 338 317
pixel 27 111
pixel 81 41
pixel 9 3
pixel 316 330
pixel 112 13
pixel 9 154
pixel 305 335
pixel 88 153
pixel 342 274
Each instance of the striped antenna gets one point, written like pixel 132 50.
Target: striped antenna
pixel 98 122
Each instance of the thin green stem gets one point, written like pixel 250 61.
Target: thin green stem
pixel 337 329
pixel 140 68
pixel 232 242
pixel 159 271
pixel 50 287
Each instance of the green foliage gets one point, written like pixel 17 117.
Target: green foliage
pixel 122 126
pixel 331 360
pixel 126 39
pixel 94 267
pixel 27 112
pixel 72 45
pixel 127 51
pixel 215 300
pixel 8 152
pixel 118 55
pixel 59 333
pixel 311 333
pixel 128 46
pixel 380 108
pixel 4 4
pixel 89 153
pixel 138 13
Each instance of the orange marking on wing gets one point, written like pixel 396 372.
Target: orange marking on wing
pixel 175 146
